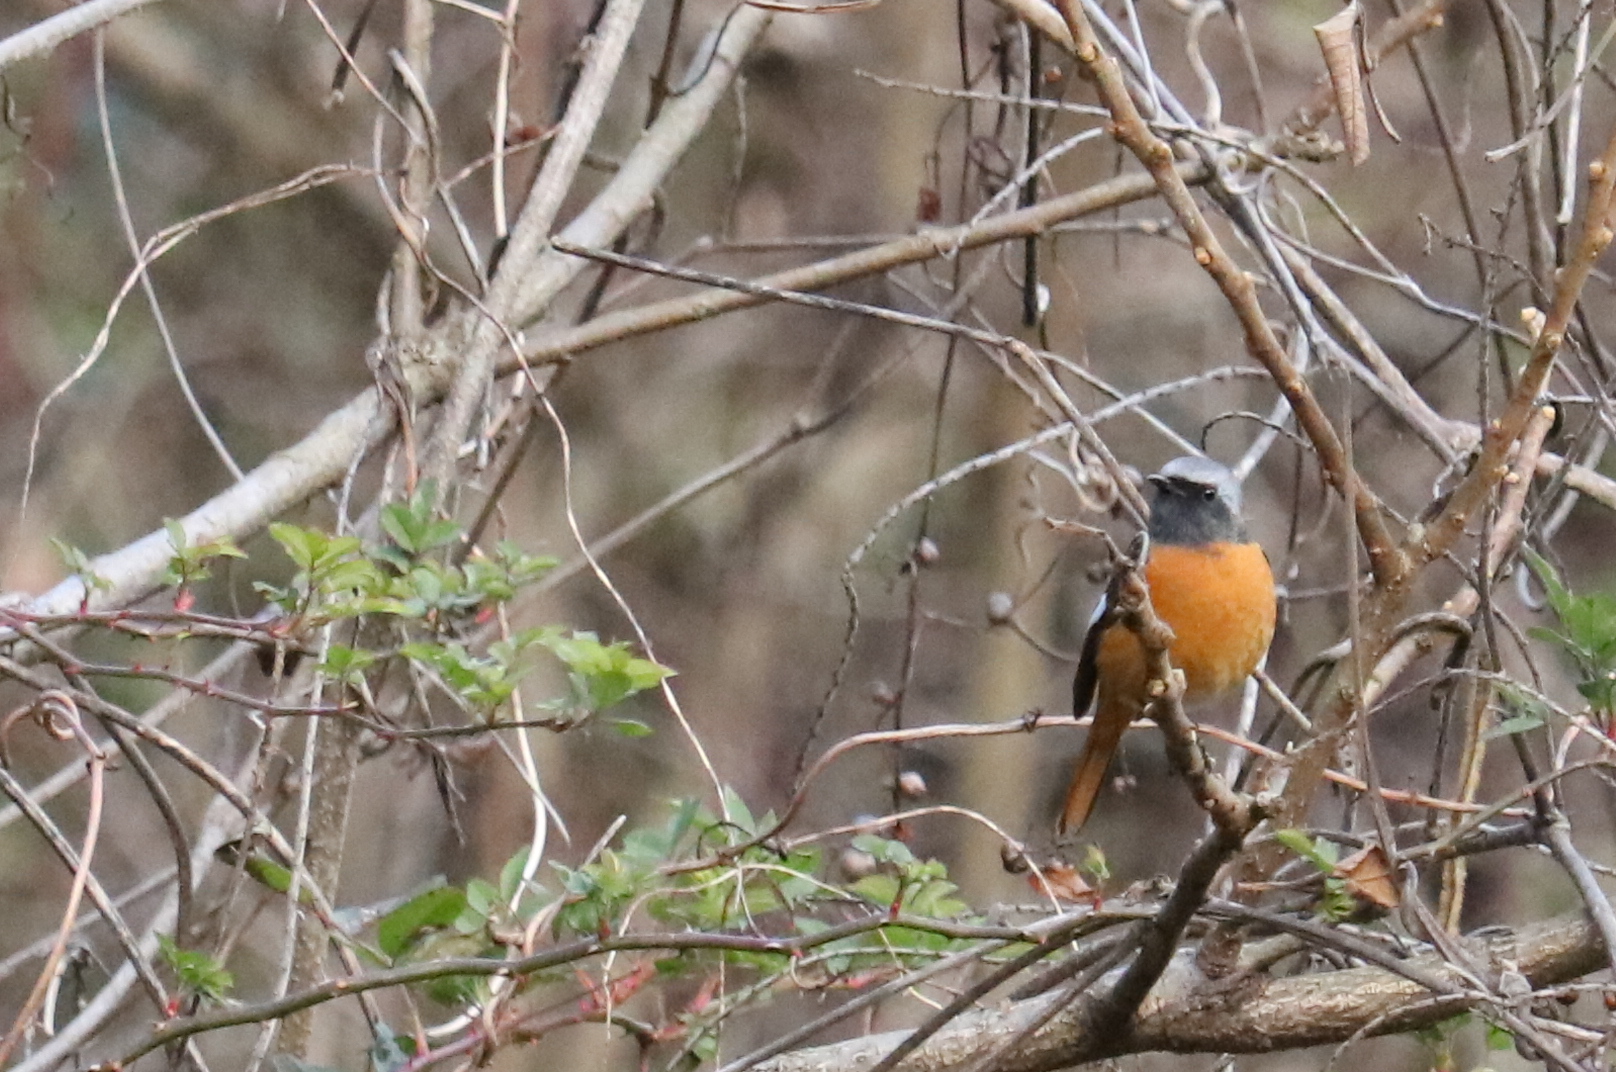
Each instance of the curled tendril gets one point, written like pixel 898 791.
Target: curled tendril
pixel 55 712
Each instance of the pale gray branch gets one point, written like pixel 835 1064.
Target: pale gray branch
pixel 324 456
pixel 46 34
pixel 513 291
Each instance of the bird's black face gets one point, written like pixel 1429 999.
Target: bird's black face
pixel 1191 512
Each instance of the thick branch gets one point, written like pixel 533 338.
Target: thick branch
pixel 1269 1015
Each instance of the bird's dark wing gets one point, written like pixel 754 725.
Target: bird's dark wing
pixel 1088 671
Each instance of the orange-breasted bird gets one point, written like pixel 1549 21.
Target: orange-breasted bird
pixel 1209 582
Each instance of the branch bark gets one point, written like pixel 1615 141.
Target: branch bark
pixel 46 34
pixel 1261 1016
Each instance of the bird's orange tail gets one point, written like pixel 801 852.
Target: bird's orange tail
pixel 1092 766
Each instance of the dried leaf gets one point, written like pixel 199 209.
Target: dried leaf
pixel 1338 41
pixel 1368 876
pixel 1061 881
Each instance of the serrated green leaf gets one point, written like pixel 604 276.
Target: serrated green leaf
pixel 602 674
pixel 346 663
pixel 885 850
pixel 740 814
pixel 395 521
pixel 1548 577
pixel 296 542
pixel 77 563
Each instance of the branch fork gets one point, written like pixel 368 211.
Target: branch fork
pixel 1234 813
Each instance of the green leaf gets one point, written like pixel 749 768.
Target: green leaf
pixel 880 889
pixel 739 814
pixel 298 543
pixel 523 568
pixel 632 727
pixel 1549 578
pixel 480 681
pixel 684 817
pixel 1338 903
pixel 1321 854
pixel 482 896
pixel 602 674
pixel 510 876
pixel 391 1050
pixel 1095 865
pixel 198 973
pixel 345 663
pixel 936 899
pixel 413 528
pixel 78 563
pixel 1513 725
pixel 189 562
pixel 885 850
pixel 396 523
pixel 1587 634
pixel 438 907
pixel 355 575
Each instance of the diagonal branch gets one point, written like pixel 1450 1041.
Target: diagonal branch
pixel 46 34
pixel 513 293
pixel 1385 605
pixel 323 457
pixel 1386 559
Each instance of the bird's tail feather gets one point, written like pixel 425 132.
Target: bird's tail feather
pixel 1092 766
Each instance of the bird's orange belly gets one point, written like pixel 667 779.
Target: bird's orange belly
pixel 1219 602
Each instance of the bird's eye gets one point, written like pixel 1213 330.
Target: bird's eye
pixel 1209 493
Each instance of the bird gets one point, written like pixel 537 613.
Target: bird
pixel 1209 582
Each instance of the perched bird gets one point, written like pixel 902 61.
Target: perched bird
pixel 1209 582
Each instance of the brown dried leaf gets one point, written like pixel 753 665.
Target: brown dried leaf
pixel 1369 877
pixel 1061 881
pixel 1338 41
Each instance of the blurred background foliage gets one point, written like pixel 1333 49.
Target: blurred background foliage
pixel 271 310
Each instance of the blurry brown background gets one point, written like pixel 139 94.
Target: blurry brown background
pixel 271 311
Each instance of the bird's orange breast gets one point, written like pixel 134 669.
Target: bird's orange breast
pixel 1219 601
